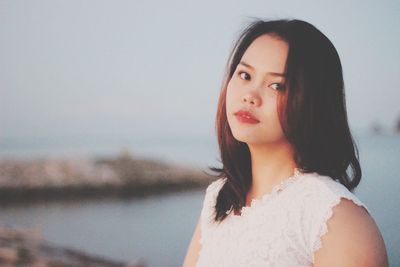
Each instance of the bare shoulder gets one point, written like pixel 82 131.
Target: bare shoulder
pixel 353 239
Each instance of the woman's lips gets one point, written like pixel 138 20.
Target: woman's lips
pixel 246 117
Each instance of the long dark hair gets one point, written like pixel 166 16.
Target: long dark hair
pixel 312 112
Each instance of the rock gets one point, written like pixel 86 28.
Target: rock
pixel 21 247
pixel 24 180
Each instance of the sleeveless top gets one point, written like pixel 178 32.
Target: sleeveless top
pixel 283 228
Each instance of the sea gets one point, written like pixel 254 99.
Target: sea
pixel 157 229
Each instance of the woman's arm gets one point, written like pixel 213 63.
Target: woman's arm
pixel 353 239
pixel 194 248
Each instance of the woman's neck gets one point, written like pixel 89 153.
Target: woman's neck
pixel 270 164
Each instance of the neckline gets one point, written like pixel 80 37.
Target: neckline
pixel 274 191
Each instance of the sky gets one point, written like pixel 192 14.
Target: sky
pixel 97 67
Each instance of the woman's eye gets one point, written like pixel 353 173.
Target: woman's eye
pixel 278 86
pixel 245 75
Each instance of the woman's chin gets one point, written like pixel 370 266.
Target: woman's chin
pixel 251 140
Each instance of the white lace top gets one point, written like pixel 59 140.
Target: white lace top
pixel 282 229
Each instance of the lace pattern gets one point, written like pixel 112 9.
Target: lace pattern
pixel 338 192
pixel 282 228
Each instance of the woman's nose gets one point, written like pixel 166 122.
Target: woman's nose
pixel 251 99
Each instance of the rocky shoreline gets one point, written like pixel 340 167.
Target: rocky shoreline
pixel 63 178
pixel 25 247
pixel 60 179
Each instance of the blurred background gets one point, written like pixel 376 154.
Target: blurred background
pixel 90 88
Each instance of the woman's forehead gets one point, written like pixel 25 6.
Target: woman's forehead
pixel 266 54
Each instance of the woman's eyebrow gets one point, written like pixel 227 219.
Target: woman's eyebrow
pixel 269 73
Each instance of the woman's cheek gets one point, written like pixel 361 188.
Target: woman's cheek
pixel 270 93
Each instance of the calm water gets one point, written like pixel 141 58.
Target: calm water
pixel 158 229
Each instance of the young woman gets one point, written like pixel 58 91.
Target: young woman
pixel 284 195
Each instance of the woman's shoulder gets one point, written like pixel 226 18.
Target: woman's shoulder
pixel 212 191
pixel 324 201
pixel 323 190
pixel 335 214
pixel 215 185
pixel 209 202
pixel 351 227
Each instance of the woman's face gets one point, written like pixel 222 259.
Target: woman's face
pixel 254 87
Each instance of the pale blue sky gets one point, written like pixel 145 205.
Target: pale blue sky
pixel 108 67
